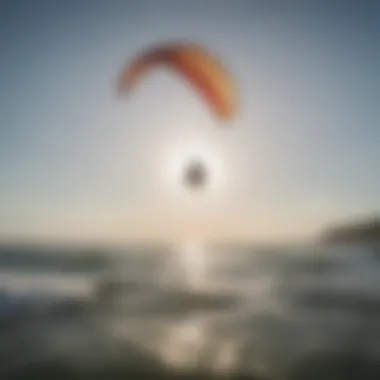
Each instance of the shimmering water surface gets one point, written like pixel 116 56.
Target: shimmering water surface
pixel 194 310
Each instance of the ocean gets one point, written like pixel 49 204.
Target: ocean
pixel 190 311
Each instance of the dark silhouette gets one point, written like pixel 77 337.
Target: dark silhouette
pixel 367 231
pixel 195 175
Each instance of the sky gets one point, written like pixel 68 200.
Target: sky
pixel 79 162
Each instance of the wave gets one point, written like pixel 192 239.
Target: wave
pixel 259 314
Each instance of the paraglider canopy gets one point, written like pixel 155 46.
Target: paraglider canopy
pixel 203 70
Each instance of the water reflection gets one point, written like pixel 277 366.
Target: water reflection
pixel 197 309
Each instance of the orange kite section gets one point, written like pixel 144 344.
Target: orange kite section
pixel 204 71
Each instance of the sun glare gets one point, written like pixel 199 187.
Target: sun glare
pixel 180 156
pixel 193 258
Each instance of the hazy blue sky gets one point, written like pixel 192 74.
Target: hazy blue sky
pixel 75 160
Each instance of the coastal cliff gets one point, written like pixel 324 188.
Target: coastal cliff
pixel 365 231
